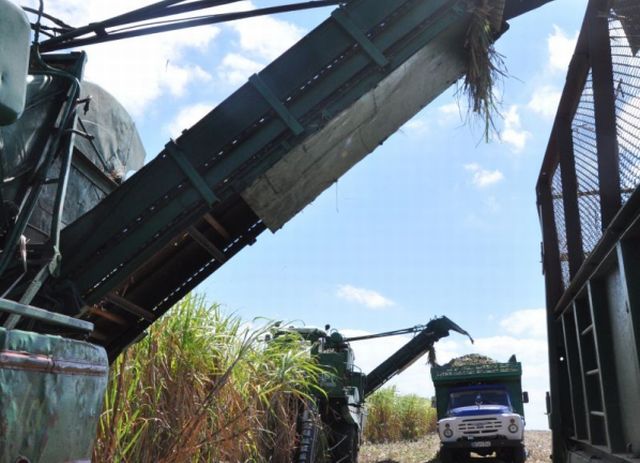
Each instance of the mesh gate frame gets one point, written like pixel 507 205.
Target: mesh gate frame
pixel 588 196
pixel 592 163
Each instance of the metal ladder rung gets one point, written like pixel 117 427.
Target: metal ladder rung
pixel 587 330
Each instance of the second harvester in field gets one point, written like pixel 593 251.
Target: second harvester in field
pixel 330 426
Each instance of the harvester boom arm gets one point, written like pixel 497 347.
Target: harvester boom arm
pixel 413 329
pixel 404 357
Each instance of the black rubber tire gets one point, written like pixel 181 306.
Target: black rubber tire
pixel 519 454
pixel 310 430
pixel 446 455
pixel 346 448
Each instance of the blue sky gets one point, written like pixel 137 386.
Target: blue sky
pixel 434 222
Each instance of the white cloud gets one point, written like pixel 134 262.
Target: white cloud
pixel 482 178
pixel 140 70
pixel 416 127
pixel 186 117
pixel 259 41
pixel 545 100
pixel 526 322
pixel 137 77
pixel 561 47
pixel 367 297
pixel 449 114
pixel 450 109
pixel 530 349
pixel 266 37
pixel 236 69
pixel 512 132
pixel 178 77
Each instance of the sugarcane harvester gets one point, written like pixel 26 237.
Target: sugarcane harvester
pixel 92 256
pixel 338 413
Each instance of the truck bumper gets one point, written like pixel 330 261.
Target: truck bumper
pixel 482 444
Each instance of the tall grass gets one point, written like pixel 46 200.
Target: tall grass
pixel 202 387
pixel 393 417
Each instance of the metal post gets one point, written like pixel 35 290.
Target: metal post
pixel 570 195
pixel 605 110
pixel 553 281
pixel 551 254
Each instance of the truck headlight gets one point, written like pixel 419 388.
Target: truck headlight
pixel 448 433
pixel 513 428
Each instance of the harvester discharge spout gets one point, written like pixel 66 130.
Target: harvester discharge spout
pixel 445 324
pixel 404 357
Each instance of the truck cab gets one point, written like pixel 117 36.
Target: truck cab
pixel 480 410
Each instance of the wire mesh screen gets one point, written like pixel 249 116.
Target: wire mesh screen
pixel 561 229
pixel 586 161
pixel 624 31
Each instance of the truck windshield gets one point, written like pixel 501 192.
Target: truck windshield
pixel 479 397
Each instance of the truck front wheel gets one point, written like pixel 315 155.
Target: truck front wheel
pixel 446 455
pixel 519 454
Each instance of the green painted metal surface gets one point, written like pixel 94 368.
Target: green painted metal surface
pixel 320 76
pixel 51 392
pixel 35 313
pixel 14 59
pixel 307 87
pixel 140 232
pixel 507 374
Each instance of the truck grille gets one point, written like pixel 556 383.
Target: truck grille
pixel 479 426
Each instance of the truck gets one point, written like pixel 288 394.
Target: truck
pixel 480 410
pixel 330 425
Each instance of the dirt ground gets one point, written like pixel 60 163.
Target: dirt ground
pixel 538 444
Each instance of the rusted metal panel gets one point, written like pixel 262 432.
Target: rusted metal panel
pixel 51 392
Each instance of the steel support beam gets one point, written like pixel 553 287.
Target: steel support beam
pixel 41 315
pixel 553 281
pixel 550 253
pixel 570 195
pixel 605 111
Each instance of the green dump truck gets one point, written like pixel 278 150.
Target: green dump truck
pixel 480 409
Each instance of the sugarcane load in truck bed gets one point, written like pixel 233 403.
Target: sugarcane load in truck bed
pixel 480 408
